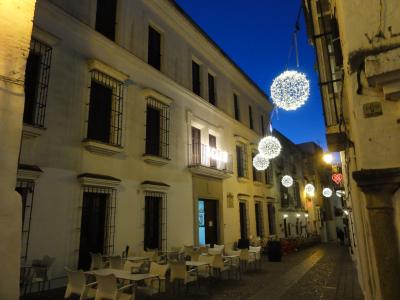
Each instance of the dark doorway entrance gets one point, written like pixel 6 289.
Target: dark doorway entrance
pixel 285 227
pixel 243 220
pixel 152 222
pixel 208 221
pixel 92 227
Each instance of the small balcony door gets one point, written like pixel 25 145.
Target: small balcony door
pixel 92 227
pixel 212 143
pixel 196 146
pixel 243 220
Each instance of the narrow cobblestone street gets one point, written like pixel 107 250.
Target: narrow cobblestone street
pixel 319 272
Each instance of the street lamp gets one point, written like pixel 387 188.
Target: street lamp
pixel 328 158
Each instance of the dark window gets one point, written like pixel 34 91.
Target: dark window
pixel 285 197
pixel 155 221
pixel 157 128
pixel 106 17
pixel 243 220
pixel 296 191
pixel 26 189
pixel 105 109
pixel 271 219
pixel 196 78
pixel 256 174
pixel 250 118
pixel 97 223
pixel 236 106
pixel 37 74
pixel 211 89
pixel 241 161
pixel 259 220
pixel 262 126
pixel 196 146
pixel 269 175
pixel 212 143
pixel 154 48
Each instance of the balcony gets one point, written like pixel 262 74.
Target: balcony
pixel 208 161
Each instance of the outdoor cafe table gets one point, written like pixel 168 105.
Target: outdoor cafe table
pixel 121 274
pixel 196 264
pixel 137 258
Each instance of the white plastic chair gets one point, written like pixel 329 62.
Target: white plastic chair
pixel 41 273
pixel 257 255
pixel 155 285
pixel 246 258
pixel 116 262
pixel 77 285
pixel 221 265
pixel 96 261
pixel 205 270
pixel 179 272
pixel 107 289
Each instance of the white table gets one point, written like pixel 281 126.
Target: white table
pixel 196 264
pixel 137 258
pixel 121 274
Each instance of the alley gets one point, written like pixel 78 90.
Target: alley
pixel 320 272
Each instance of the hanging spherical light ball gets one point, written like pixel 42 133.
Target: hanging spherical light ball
pixel 327 192
pixel 287 181
pixel 290 90
pixel 340 193
pixel 260 162
pixel 309 189
pixel 270 147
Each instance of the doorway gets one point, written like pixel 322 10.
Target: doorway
pixel 243 220
pixel 153 222
pixel 208 221
pixel 92 227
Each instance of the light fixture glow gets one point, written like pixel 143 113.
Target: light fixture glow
pixel 346 212
pixel 309 189
pixel 340 193
pixel 298 215
pixel 327 192
pixel 290 90
pixel 328 158
pixel 306 215
pixel 287 181
pixel 270 147
pixel 285 216
pixel 260 162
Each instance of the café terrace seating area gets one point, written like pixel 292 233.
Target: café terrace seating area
pixel 176 271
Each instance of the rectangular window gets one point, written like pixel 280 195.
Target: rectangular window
pixel 154 48
pixel 271 219
pixel 262 126
pixel 157 128
pixel 97 230
pixel 26 189
pixel 106 18
pixel 211 89
pixel 296 192
pixel 257 175
pixel 155 231
pixel 243 220
pixel 285 197
pixel 196 146
pixel 241 160
pixel 236 106
pixel 251 118
pixel 269 175
pixel 212 143
pixel 37 74
pixel 105 109
pixel 259 219
pixel 196 78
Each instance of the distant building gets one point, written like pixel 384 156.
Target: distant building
pixel 358 48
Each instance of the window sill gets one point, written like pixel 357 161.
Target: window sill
pixel 101 148
pixel 31 131
pixel 243 179
pixel 258 183
pixel 155 160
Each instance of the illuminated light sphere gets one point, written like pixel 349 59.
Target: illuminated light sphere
pixel 327 192
pixel 290 90
pixel 340 193
pixel 287 181
pixel 328 158
pixel 270 147
pixel 260 162
pixel 309 189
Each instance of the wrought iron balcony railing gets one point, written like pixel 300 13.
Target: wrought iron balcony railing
pixel 206 156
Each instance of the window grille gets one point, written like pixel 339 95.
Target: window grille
pixel 259 219
pixel 37 75
pixel 157 128
pixel 110 210
pixel 26 189
pixel 105 109
pixel 157 215
pixel 241 158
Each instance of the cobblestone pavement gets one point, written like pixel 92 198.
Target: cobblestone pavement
pixel 319 272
